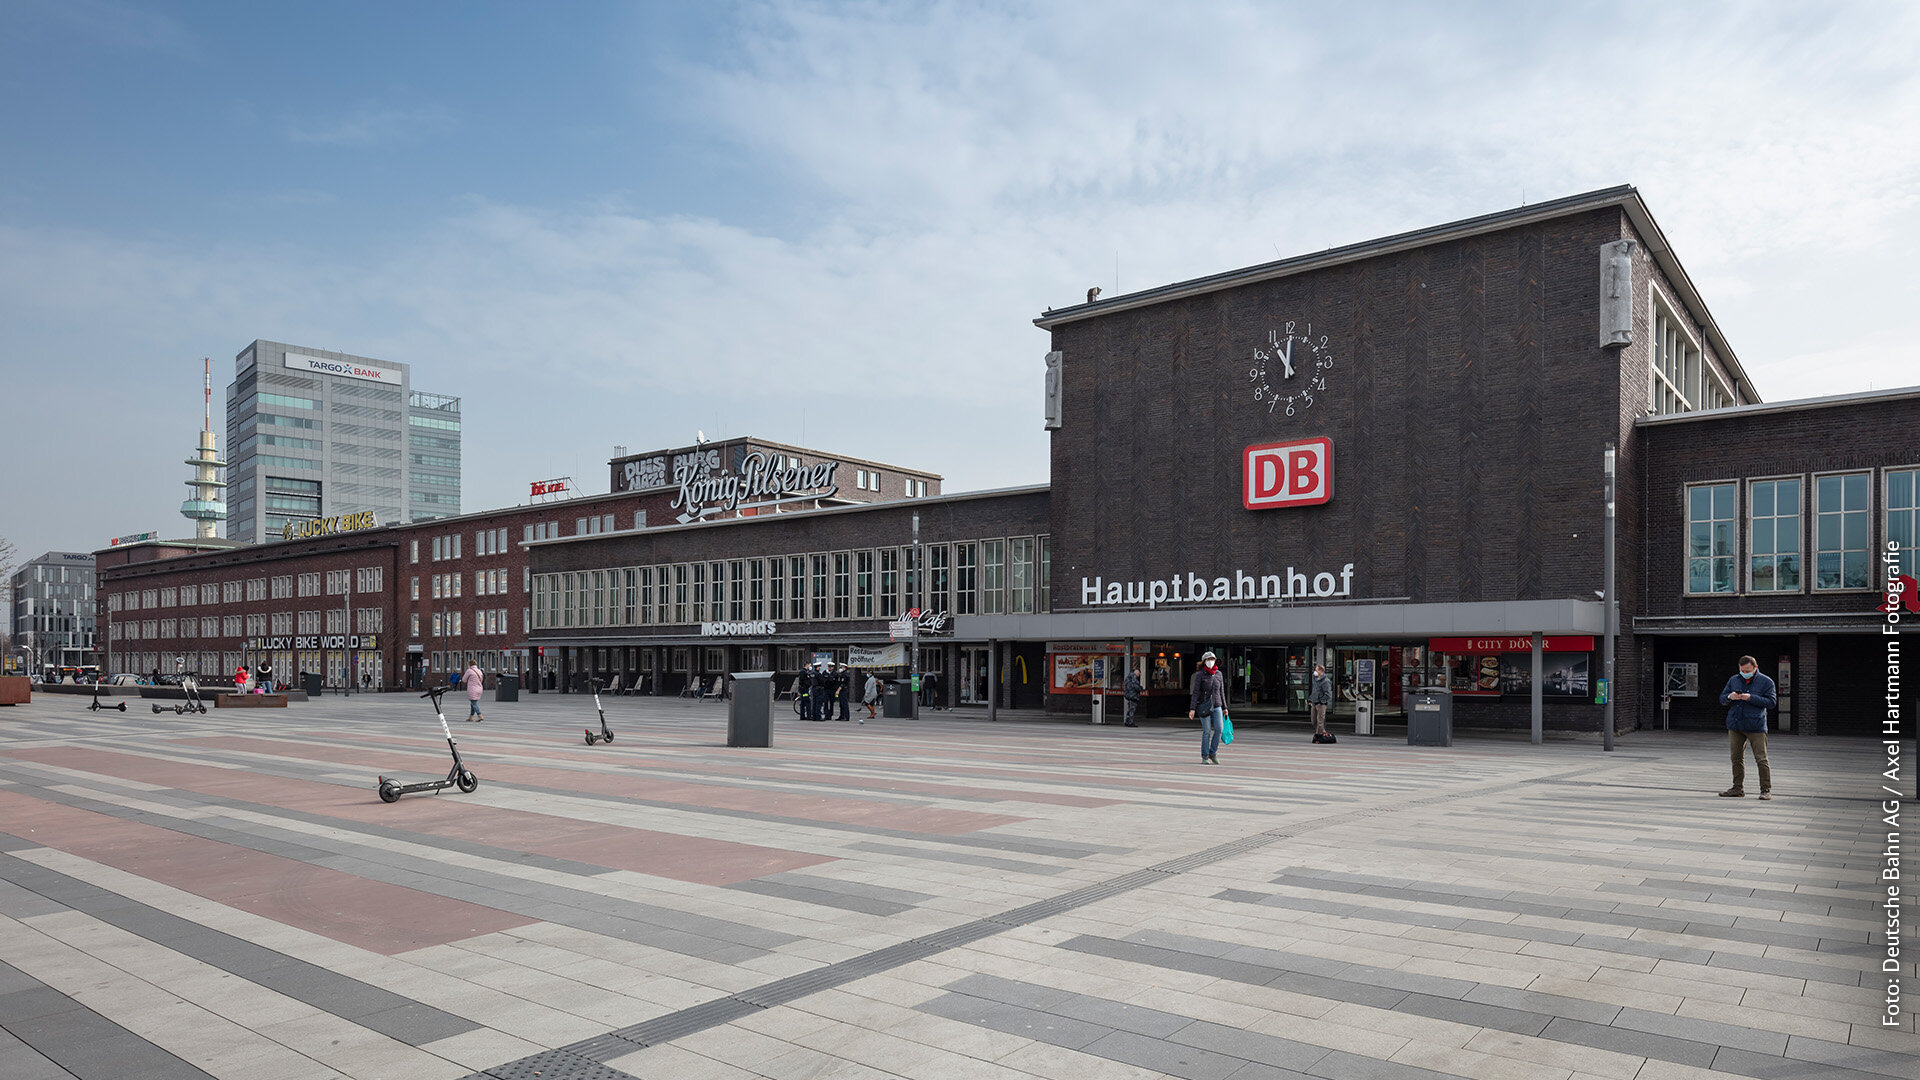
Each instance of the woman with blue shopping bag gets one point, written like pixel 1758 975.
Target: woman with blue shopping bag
pixel 1208 704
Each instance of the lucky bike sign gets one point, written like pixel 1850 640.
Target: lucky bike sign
pixel 1294 473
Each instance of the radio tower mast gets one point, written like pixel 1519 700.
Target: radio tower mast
pixel 207 508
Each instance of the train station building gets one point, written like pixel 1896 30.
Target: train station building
pixel 1389 457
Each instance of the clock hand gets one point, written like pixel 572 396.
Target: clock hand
pixel 1286 358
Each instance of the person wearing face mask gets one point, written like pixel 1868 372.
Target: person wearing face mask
pixel 1748 696
pixel 1208 703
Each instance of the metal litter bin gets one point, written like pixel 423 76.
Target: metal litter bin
pixel 1099 710
pixel 897 702
pixel 1430 717
pixel 750 710
pixel 313 683
pixel 1363 716
pixel 506 688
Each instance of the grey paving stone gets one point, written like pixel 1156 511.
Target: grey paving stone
pixel 862 904
pixel 1863 1058
pixel 1706 1031
pixel 12 978
pixel 33 1002
pixel 1474 1013
pixel 1340 1065
pixel 1593 1012
pixel 10 842
pixel 1635 947
pixel 416 1024
pixel 1379 997
pixel 1173 959
pixel 1792 969
pixel 1174 1059
pixel 1119 1015
pixel 963 858
pixel 1625 1041
pixel 850 888
pixel 18 1061
pixel 1032 1024
pixel 1270 1050
pixel 1768 1067
pixel 92 1047
pixel 1411 981
pixel 1008 991
pixel 1257 1070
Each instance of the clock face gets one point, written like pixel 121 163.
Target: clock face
pixel 1290 373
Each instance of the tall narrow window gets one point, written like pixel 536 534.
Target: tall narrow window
pixel 644 602
pixel 599 598
pixel 1903 519
pixel 1841 558
pixel 863 584
pixel 993 573
pixel 889 583
pixel 966 579
pixel 680 593
pixel 1021 575
pixel 1773 532
pixel 699 592
pixel 819 589
pixel 736 590
pixel 842 584
pixel 756 589
pixel 566 600
pixel 939 578
pixel 796 587
pixel 1710 538
pixel 1046 575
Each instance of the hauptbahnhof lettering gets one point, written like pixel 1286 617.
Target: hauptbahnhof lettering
pixel 1386 455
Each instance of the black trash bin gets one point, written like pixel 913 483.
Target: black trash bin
pixel 750 709
pixel 506 688
pixel 313 683
pixel 897 701
pixel 1430 717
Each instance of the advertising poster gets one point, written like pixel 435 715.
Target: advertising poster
pixel 1681 680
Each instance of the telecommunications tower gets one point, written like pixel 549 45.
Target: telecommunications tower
pixel 208 507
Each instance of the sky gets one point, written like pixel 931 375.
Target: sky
pixel 612 224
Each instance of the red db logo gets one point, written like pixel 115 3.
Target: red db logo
pixel 1296 473
pixel 1902 592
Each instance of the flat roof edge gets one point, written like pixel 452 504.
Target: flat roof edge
pixel 1797 405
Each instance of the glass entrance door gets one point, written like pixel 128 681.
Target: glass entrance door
pixel 973 675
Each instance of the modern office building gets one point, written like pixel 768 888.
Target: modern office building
pixel 53 610
pixel 313 433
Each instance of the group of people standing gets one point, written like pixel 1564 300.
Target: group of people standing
pixel 825 687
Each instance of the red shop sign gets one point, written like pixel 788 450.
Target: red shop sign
pixel 1296 473
pixel 1552 643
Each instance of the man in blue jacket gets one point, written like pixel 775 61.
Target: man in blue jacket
pixel 1747 697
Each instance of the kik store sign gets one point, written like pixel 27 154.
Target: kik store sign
pixel 707 488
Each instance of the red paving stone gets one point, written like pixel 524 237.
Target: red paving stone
pixel 372 915
pixel 662 854
pixel 841 810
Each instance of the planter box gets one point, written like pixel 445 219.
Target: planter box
pixel 15 690
pixel 250 701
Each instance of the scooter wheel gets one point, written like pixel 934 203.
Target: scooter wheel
pixel 590 738
pixel 156 710
pixel 123 706
pixel 466 781
pixel 608 736
pixel 389 792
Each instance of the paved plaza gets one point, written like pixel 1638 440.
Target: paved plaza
pixel 226 896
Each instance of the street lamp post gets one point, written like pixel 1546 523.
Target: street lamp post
pixel 1612 607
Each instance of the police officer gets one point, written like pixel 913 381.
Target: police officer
pixel 822 697
pixel 804 688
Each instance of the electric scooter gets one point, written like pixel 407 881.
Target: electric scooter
pixel 96 706
pixel 459 776
pixel 605 734
pixel 193 704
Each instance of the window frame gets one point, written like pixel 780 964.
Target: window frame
pixel 1800 521
pixel 1687 523
pixel 1909 555
pixel 1814 512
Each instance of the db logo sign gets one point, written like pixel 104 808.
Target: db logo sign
pixel 1297 473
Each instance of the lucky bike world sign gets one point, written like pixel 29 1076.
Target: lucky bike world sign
pixel 328 526
pixel 1294 473
pixel 707 488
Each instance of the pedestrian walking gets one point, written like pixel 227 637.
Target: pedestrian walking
pixel 872 694
pixel 1130 695
pixel 1208 703
pixel 1747 696
pixel 1319 698
pixel 240 679
pixel 475 682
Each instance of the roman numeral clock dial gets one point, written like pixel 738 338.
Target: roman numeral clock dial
pixel 1291 370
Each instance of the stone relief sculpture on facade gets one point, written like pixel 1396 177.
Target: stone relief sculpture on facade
pixel 1616 292
pixel 1053 389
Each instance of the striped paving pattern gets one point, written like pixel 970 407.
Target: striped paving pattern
pixel 225 896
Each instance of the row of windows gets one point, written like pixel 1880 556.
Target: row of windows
pixel 982 577
pixel 366 621
pixel 434 422
pixel 1787 520
pixel 369 579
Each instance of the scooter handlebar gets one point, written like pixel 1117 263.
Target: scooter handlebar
pixel 435 692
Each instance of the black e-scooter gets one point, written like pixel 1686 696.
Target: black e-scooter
pixel 97 706
pixel 459 776
pixel 193 704
pixel 605 734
